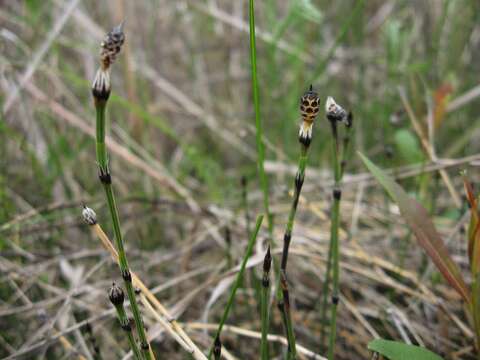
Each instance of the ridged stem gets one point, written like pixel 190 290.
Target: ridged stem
pixel 105 177
pixel 287 237
pixel 334 251
pixel 125 324
pixel 299 178
pixel 292 350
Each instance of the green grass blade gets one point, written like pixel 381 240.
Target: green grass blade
pixel 258 120
pixel 394 350
pixel 238 280
pixel 422 226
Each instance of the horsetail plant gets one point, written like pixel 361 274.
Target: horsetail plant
pixel 110 48
pixel 236 285
pixel 309 107
pixel 335 114
pixel 117 297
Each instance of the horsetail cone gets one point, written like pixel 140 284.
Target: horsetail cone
pixel 309 108
pixel 110 48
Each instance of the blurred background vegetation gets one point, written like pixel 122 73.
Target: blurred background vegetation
pixel 182 132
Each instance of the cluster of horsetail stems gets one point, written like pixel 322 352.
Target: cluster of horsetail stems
pixel 309 107
pixel 110 47
pixel 117 297
pixel 335 114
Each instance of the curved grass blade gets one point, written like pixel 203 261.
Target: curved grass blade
pixel 473 227
pixel 427 236
pixel 394 350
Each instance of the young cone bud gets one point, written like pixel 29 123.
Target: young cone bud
pixel 116 296
pixel 334 111
pixel 89 216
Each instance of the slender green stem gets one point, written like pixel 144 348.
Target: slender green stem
pixel 325 291
pixel 299 178
pixel 238 281
pixel 100 106
pixel 105 178
pixel 338 171
pixel 285 308
pixel 259 135
pixel 334 242
pixel 258 121
pixel 292 349
pixel 125 323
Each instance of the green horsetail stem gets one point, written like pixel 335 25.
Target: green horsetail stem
pixel 237 283
pixel 335 114
pixel 106 180
pixel 333 232
pixel 335 259
pixel 284 303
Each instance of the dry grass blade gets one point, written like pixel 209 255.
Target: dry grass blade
pixel 417 218
pixel 172 325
